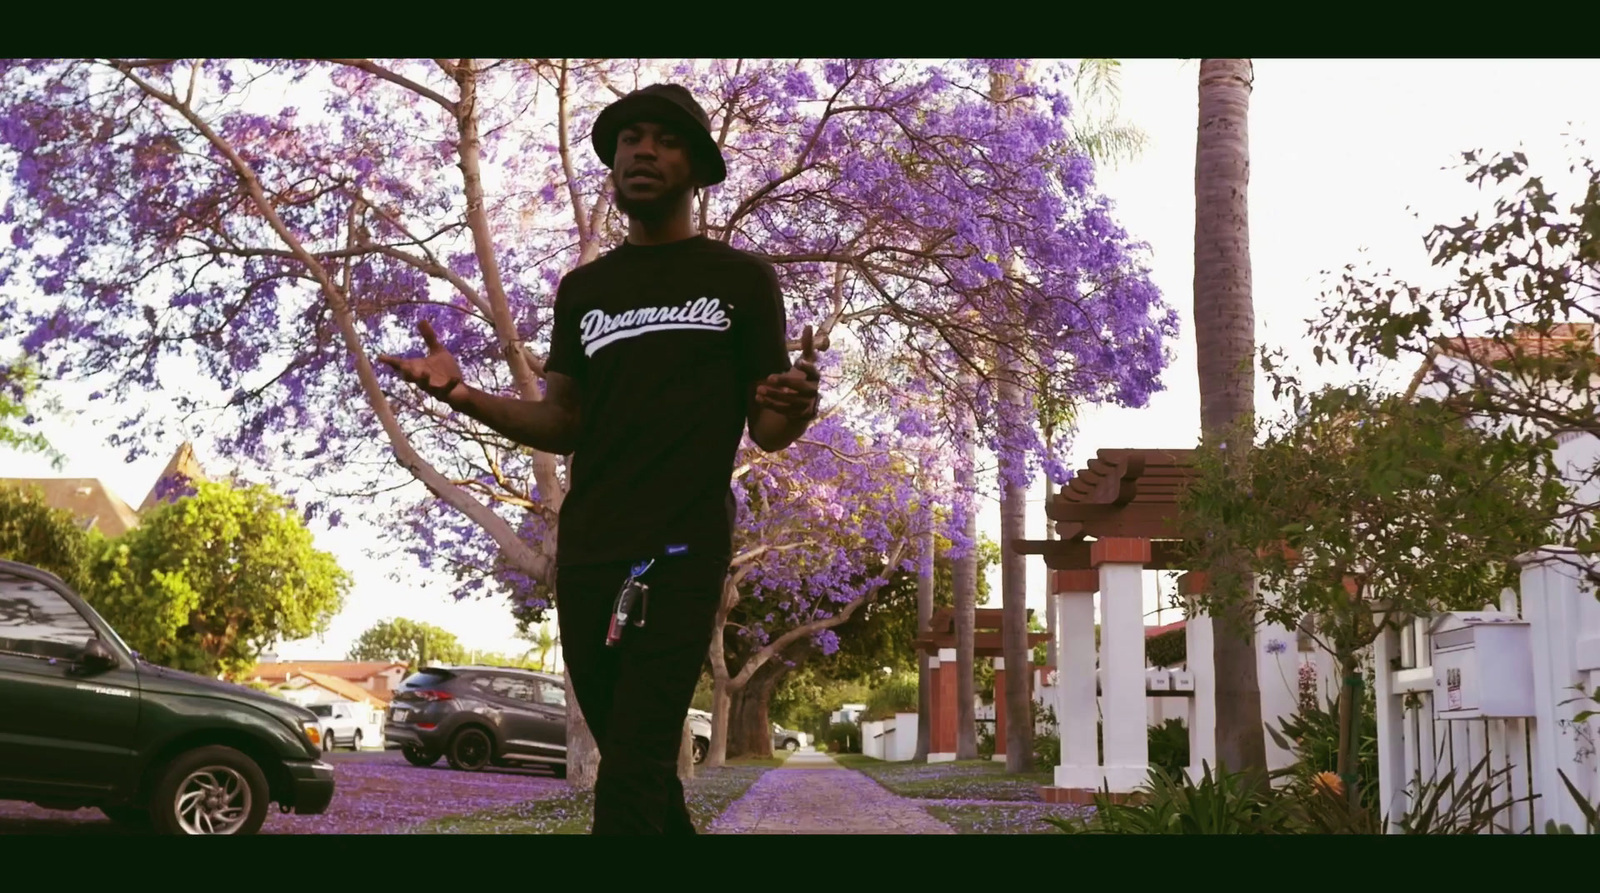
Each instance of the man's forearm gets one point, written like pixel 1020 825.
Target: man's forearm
pixel 541 425
pixel 773 431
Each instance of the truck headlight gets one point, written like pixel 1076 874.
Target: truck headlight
pixel 313 732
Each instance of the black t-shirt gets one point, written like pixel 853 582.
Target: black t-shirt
pixel 664 342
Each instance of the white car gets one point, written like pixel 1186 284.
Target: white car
pixel 700 728
pixel 343 723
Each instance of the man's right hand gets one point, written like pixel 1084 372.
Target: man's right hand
pixel 437 374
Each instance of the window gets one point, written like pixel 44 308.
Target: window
pixel 552 694
pixel 35 619
pixel 513 688
pixel 322 709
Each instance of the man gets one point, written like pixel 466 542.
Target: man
pixel 664 349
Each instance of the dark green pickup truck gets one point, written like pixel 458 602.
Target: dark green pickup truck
pixel 85 722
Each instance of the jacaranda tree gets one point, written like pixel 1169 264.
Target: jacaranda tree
pixel 243 236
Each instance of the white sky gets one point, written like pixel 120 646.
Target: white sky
pixel 1340 149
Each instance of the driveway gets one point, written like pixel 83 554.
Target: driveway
pixel 376 792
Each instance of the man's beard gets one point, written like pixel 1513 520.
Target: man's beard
pixel 650 210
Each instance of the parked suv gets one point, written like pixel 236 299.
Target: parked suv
pixel 84 721
pixel 476 717
pixel 342 722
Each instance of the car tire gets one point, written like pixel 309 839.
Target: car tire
pixel 701 748
pixel 127 816
pixel 327 740
pixel 355 744
pixel 419 758
pixel 177 803
pixel 791 745
pixel 470 750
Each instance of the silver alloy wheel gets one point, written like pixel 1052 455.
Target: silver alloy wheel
pixel 213 800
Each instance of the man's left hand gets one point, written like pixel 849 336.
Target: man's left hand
pixel 793 394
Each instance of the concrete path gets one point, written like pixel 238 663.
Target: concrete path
pixel 812 794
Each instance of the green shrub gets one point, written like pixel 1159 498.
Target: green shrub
pixel 1047 739
pixel 1219 803
pixel 1312 734
pixel 897 694
pixel 1169 747
pixel 1170 649
pixel 842 737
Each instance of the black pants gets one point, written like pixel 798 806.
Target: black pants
pixel 635 696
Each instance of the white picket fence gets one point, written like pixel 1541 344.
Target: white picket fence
pixel 1509 698
pixel 1511 678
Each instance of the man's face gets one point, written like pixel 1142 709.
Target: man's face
pixel 651 170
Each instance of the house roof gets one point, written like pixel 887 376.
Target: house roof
pixel 1153 631
pixel 345 689
pixel 95 506
pixel 348 670
pixel 182 463
pixel 1527 344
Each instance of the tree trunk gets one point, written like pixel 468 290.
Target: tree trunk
pixel 721 710
pixel 583 757
pixel 1349 718
pixel 925 587
pixel 1014 629
pixel 686 753
pixel 1013 529
pixel 966 599
pixel 1224 326
pixel 751 723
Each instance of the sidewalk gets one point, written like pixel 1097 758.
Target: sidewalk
pixel 811 794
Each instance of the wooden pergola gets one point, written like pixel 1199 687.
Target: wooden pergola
pixel 1116 518
pixel 939 643
pixel 941 633
pixel 1120 494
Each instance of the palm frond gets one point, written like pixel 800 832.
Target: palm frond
pixel 1098 80
pixel 1111 143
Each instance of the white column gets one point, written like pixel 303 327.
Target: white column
pixel 1199 640
pixel 1127 741
pixel 1077 703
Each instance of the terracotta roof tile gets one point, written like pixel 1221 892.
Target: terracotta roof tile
pixel 345 689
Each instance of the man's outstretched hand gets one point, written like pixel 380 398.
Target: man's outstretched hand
pixel 437 374
pixel 793 394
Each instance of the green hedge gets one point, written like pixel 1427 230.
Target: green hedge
pixel 1170 649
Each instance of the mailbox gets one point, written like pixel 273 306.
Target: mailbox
pixel 1157 680
pixel 1482 666
pixel 1182 680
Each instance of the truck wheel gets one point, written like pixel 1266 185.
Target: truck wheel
pixel 356 745
pixel 701 748
pixel 469 750
pixel 210 790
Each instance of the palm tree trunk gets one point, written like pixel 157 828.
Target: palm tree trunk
pixel 966 593
pixel 1224 325
pixel 1013 529
pixel 925 585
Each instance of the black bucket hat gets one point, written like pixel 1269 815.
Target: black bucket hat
pixel 666 104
